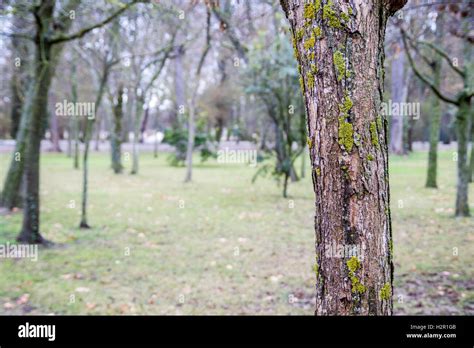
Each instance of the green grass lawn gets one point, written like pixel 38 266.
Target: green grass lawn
pixel 220 245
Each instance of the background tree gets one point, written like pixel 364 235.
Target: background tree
pixel 50 33
pixel 273 78
pixel 462 100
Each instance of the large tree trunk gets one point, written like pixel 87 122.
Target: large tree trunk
pixel 398 87
pixel 30 232
pixel 339 47
pixel 21 95
pixel 16 103
pixel 11 196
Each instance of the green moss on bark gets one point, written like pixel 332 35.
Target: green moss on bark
pixel 340 65
pixel 346 132
pixel 310 42
pixel 330 15
pixel 374 135
pixel 386 292
pixel 353 264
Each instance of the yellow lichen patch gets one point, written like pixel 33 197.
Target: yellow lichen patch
pixel 299 34
pixel 346 105
pixel 385 292
pixel 309 11
pixel 353 264
pixel 374 135
pixel 345 134
pixel 330 15
pixel 310 80
pixel 318 32
pixel 309 42
pixel 340 65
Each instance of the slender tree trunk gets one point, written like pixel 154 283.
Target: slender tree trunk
pixel 70 126
pixel 116 136
pixel 285 186
pixel 85 160
pixel 339 46
pixel 128 116
pixel 179 85
pixel 54 129
pixel 471 161
pixel 398 85
pixel 139 102
pixel 74 122
pixel 155 146
pixel 463 120
pixel 144 125
pixel 431 177
pixel 435 121
pixel 98 126
pixel 190 146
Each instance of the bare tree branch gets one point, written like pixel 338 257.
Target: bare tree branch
pixel 241 49
pixel 84 31
pixel 18 36
pixel 421 76
pixel 443 54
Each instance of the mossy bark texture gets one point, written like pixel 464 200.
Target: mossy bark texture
pixel 343 104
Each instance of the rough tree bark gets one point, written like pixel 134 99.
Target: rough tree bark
pixel 339 47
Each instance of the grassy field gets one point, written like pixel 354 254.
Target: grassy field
pixel 220 245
